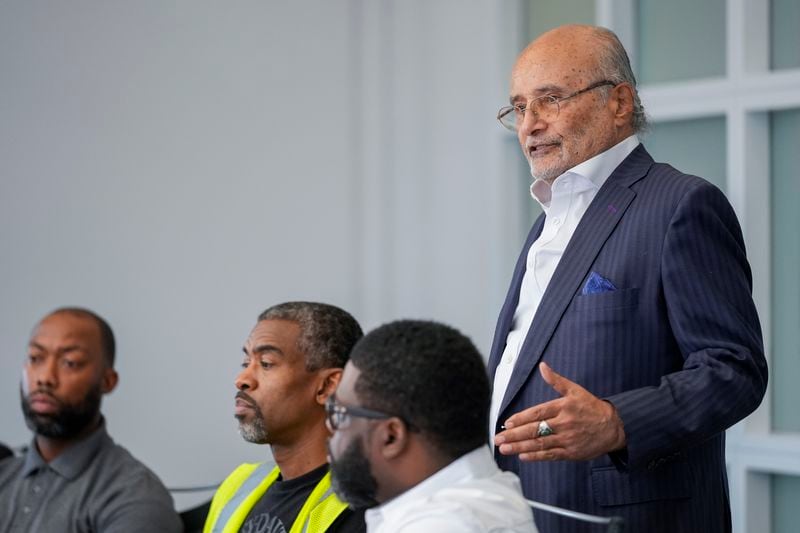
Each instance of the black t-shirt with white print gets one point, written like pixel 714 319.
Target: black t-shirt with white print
pixel 278 508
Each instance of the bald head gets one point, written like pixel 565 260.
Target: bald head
pixel 576 46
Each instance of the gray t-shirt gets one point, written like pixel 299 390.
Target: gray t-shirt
pixel 94 486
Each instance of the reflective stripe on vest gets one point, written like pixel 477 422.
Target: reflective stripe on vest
pixel 319 511
pixel 252 489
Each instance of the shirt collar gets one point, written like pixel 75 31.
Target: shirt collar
pixel 478 463
pixel 72 461
pixel 596 169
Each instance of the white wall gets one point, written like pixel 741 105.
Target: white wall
pixel 180 166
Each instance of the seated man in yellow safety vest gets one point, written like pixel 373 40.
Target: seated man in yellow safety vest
pixel 293 361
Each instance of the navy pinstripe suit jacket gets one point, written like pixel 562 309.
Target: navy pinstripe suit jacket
pixel 676 348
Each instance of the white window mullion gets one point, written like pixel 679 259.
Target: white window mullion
pixel 620 17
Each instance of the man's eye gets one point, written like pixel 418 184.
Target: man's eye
pixel 69 363
pixel 266 364
pixel 34 358
pixel 519 109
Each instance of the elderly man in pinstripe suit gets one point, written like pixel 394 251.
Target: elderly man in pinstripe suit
pixel 628 341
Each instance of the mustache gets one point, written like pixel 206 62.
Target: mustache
pixel 241 395
pixel 43 392
pixel 538 141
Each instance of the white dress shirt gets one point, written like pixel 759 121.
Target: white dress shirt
pixel 564 205
pixel 470 495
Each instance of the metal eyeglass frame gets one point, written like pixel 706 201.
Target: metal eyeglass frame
pixel 537 104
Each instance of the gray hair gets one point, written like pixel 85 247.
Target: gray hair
pixel 615 66
pixel 327 333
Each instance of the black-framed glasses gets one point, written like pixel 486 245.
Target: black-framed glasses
pixel 338 416
pixel 544 107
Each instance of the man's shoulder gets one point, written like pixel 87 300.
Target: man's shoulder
pixel 120 487
pixel 234 481
pixel 664 188
pixel 677 178
pixel 485 503
pixel 244 471
pixel 462 516
pixel 11 462
pixel 112 490
pixel 502 490
pixel 10 467
pixel 119 464
pixel 664 177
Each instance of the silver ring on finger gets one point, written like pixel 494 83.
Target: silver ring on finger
pixel 544 429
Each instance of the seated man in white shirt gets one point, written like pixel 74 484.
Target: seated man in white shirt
pixel 409 423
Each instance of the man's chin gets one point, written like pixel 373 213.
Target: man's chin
pixel 36 420
pixel 542 169
pixel 547 174
pixel 50 426
pixel 252 433
pixel 355 501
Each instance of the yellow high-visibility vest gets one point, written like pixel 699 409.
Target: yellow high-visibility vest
pixel 238 494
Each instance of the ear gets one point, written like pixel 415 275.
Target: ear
pixel 622 101
pixel 109 381
pixel 393 438
pixel 327 384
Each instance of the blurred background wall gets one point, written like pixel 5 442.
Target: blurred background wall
pixel 180 166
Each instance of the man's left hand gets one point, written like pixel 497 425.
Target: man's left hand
pixel 583 425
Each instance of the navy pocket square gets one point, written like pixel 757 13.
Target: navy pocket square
pixel 597 284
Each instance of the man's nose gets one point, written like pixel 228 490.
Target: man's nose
pixel 45 374
pixel 531 123
pixel 245 380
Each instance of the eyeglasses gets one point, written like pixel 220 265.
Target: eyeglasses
pixel 338 415
pixel 544 107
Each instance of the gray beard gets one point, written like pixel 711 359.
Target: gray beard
pixel 254 431
pixel 549 175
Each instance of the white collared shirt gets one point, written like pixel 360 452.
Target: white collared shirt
pixel 470 495
pixel 564 205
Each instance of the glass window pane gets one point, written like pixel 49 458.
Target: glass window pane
pixel 694 146
pixel 680 39
pixel 546 14
pixel 784 37
pixel 785 496
pixel 785 367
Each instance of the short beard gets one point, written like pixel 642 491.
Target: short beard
pixel 548 174
pixel 254 431
pixel 69 421
pixel 351 477
pixel 559 167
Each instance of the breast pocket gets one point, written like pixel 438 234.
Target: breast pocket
pixel 619 299
pixel 604 325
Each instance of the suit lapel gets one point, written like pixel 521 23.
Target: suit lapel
pixel 600 219
pixel 512 298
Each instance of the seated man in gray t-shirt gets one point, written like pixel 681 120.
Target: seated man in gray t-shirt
pixel 74 478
